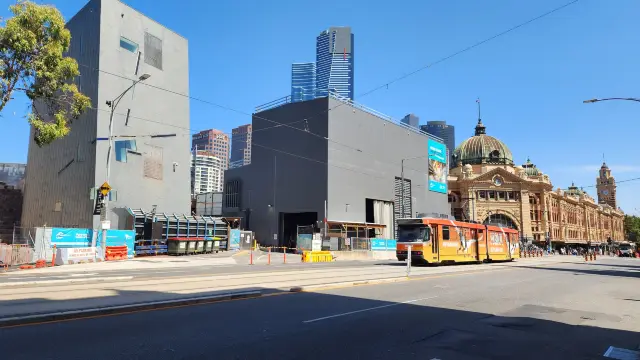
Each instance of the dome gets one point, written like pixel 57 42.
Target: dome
pixel 482 149
pixel 573 190
pixel 530 169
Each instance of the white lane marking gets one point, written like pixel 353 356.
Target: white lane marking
pixel 64 281
pixel 90 274
pixel 369 309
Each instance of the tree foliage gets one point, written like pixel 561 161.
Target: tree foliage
pixel 32 47
pixel 632 227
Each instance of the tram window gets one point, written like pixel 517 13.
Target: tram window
pixel 445 233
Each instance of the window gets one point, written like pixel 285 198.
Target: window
pixel 492 195
pixel 128 45
pixel 501 195
pixel 445 233
pixel 482 194
pixel 152 51
pixel 122 147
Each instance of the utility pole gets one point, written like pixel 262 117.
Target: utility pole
pixel 105 205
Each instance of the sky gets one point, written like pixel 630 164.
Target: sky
pixel 531 81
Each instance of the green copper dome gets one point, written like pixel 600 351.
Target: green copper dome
pixel 530 169
pixel 482 149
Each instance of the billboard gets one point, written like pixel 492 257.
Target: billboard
pixel 437 167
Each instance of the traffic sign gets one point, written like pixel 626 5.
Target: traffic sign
pixel 105 188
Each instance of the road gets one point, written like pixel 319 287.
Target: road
pixel 554 311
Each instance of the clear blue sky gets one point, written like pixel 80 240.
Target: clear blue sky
pixel 531 82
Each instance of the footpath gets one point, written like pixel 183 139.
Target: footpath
pixel 55 301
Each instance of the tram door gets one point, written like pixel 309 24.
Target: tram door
pixel 435 243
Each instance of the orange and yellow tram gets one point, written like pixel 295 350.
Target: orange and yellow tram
pixel 438 241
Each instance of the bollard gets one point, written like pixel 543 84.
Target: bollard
pixel 251 256
pixel 53 257
pixel 284 256
pixel 408 260
pixel 269 256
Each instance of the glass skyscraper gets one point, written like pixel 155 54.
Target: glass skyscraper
pixel 334 62
pixel 303 81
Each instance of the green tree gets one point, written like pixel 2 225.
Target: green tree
pixel 32 47
pixel 632 227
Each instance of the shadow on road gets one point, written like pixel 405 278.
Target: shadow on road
pixel 314 326
pixel 599 271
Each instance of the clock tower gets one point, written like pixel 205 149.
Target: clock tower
pixel 606 186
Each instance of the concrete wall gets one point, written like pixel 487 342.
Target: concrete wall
pixel 96 32
pixel 293 160
pixel 368 167
pixel 48 181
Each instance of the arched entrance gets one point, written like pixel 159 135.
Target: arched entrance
pixel 500 220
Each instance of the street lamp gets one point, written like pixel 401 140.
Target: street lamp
pixel 113 104
pixel 590 101
pixel 402 179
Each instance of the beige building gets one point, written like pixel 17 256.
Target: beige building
pixel 486 186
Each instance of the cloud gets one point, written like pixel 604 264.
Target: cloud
pixel 615 169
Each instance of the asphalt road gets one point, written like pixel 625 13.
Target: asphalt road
pixel 160 273
pixel 557 311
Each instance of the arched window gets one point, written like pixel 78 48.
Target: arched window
pixel 494 155
pixel 500 220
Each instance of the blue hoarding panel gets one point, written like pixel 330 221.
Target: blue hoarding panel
pixel 392 244
pixel 437 167
pixel 234 239
pixel 118 238
pixel 71 238
pixel 378 244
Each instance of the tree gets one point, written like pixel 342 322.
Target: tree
pixel 32 47
pixel 632 227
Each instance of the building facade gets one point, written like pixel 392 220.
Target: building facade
pixel 303 81
pixel 297 171
pixel 445 132
pixel 13 174
pixel 206 173
pixel 335 62
pixel 606 187
pixel 486 186
pixel 241 146
pixel 412 121
pixel 213 141
pixel 145 170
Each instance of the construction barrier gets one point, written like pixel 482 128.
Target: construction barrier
pixel 317 256
pixel 116 253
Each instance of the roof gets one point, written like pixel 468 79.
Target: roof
pixel 482 149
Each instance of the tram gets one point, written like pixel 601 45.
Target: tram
pixel 441 241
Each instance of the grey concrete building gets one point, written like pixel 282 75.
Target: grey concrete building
pixel 349 157
pixel 145 170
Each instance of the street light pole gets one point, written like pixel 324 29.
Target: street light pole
pixel 590 101
pixel 104 211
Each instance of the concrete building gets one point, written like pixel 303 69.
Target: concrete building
pixel 303 81
pixel 214 141
pixel 335 53
pixel 443 131
pixel 206 173
pixel 411 120
pixel 241 146
pixel 13 174
pixel 145 170
pixel 349 157
pixel 486 186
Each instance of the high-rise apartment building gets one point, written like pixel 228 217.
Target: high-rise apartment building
pixel 334 62
pixel 214 141
pixel 411 120
pixel 206 172
pixel 145 171
pixel 445 132
pixel 241 146
pixel 303 81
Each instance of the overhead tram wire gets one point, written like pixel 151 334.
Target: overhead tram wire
pixel 278 124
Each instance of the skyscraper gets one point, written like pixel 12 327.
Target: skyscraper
pixel 303 81
pixel 443 131
pixel 214 141
pixel 334 62
pixel 411 120
pixel 206 172
pixel 241 146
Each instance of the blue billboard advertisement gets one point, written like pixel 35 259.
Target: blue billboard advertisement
pixel 437 167
pixel 71 238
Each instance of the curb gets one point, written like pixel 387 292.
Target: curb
pixel 64 281
pixel 122 309
pixel 347 283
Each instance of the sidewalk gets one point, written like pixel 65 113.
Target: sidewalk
pixel 29 300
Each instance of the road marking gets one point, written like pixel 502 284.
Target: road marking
pixel 369 309
pixel 240 253
pixel 64 281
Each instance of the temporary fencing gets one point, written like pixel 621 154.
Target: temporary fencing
pixel 116 253
pixel 11 255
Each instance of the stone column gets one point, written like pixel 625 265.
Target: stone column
pixel 525 211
